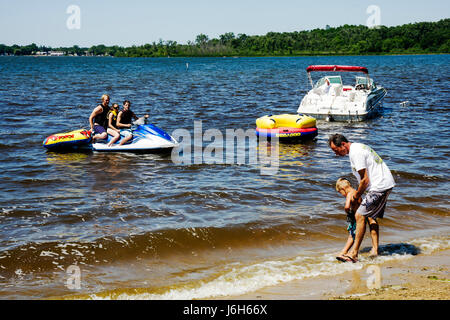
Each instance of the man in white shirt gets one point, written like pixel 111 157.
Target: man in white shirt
pixel 373 176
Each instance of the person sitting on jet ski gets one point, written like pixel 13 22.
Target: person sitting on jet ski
pixel 124 122
pixel 98 120
pixel 112 120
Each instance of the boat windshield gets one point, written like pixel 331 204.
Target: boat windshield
pixel 331 79
pixel 364 81
pixel 335 79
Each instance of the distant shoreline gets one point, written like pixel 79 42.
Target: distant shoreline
pixel 414 38
pixel 249 56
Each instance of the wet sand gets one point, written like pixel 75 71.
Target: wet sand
pixel 422 277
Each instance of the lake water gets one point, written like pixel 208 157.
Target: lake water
pixel 141 226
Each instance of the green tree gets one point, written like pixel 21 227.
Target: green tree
pixel 201 39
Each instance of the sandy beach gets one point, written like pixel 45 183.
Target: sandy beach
pixel 422 277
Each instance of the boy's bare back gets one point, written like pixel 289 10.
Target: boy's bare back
pixel 348 201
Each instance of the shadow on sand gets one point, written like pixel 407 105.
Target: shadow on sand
pixel 395 248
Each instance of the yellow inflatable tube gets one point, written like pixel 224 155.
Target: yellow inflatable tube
pixel 67 139
pixel 286 120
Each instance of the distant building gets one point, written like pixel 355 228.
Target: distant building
pixel 56 53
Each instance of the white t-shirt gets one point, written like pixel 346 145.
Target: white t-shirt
pixel 326 88
pixel 364 157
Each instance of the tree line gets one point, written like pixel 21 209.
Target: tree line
pixel 413 38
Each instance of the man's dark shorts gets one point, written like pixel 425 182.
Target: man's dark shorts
pixel 99 129
pixel 374 204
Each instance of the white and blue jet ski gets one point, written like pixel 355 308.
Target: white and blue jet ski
pixel 146 138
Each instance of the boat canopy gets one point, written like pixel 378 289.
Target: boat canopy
pixel 337 68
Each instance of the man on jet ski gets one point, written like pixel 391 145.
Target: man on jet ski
pixel 124 121
pixel 98 121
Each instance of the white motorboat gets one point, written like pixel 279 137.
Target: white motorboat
pixel 330 99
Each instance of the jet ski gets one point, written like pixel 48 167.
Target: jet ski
pixel 146 138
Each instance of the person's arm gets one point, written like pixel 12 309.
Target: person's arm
pixel 348 202
pixel 110 117
pixel 119 124
pixel 363 184
pixel 135 117
pixel 110 124
pixel 95 112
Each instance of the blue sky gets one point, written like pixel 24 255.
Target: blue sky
pixel 138 22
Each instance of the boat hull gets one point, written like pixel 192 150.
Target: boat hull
pixel 355 117
pixel 369 108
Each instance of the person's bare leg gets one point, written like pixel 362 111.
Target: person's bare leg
pixel 360 231
pixel 101 136
pixel 347 246
pixel 125 140
pixel 115 135
pixel 375 235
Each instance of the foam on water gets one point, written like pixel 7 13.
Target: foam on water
pixel 239 279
